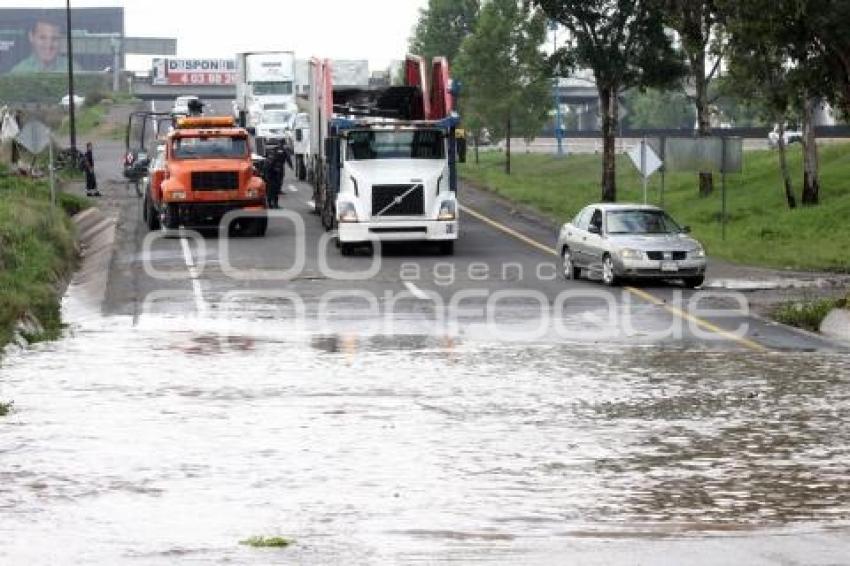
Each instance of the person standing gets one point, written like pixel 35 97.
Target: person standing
pixel 88 167
pixel 274 178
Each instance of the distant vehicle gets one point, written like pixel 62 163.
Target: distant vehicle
pixel 301 145
pixel 152 186
pixel 187 106
pixel 617 241
pixel 274 128
pixel 143 131
pixel 790 136
pixel 66 101
pixel 263 79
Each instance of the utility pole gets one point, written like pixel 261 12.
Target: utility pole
pixel 72 127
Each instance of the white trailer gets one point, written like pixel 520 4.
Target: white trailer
pixel 265 80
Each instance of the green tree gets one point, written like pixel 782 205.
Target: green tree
pixel 442 27
pixel 625 45
pixel 699 25
pixel 504 71
pixel 655 108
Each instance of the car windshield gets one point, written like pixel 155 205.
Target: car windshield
pixel 641 222
pixel 210 147
pixel 276 117
pixel 419 144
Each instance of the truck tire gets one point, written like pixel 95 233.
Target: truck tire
pixel 346 249
pixel 258 227
pixel 171 221
pixel 150 214
pixel 448 247
pixel 301 168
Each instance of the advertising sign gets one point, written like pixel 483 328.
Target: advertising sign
pixel 206 72
pixel 34 40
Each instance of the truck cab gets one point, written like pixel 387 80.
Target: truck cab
pixel 208 172
pixel 395 185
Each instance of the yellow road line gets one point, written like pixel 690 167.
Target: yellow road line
pixel 636 292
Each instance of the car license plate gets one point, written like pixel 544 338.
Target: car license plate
pixel 669 267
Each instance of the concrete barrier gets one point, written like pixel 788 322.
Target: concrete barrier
pixel 837 325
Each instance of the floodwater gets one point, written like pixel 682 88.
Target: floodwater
pixel 171 440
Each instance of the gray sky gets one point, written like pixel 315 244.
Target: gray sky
pixel 343 29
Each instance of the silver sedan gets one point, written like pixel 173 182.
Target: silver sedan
pixel 617 241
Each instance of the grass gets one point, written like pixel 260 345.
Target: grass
pixel 267 542
pixel 807 314
pixel 761 229
pixel 6 408
pixel 86 119
pixel 37 253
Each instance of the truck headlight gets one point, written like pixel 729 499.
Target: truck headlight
pixel 448 211
pixel 698 253
pixel 631 254
pixel 252 193
pixel 177 195
pixel 347 212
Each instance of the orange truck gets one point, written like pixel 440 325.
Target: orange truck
pixel 205 171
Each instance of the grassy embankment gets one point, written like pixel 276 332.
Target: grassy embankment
pixel 37 253
pixel 761 229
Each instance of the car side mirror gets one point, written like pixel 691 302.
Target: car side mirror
pixel 593 229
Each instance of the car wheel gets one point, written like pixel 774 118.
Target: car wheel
pixel 609 274
pixel 568 268
pixel 694 282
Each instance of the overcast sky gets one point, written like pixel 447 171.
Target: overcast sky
pixel 343 29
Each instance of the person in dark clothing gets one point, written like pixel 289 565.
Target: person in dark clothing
pixel 88 167
pixel 275 172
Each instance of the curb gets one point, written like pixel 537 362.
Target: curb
pixel 96 236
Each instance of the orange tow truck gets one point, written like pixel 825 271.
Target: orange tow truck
pixel 206 172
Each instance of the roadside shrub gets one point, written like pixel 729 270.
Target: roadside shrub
pixel 807 315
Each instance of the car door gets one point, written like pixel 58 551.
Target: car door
pixel 592 242
pixel 576 236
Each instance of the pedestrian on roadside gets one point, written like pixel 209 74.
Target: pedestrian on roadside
pixel 88 167
pixel 275 171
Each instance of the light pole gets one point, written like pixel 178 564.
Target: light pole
pixel 72 127
pixel 553 26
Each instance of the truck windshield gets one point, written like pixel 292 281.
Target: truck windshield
pixel 210 148
pixel 419 144
pixel 267 89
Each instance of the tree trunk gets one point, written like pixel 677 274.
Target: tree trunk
pixel 608 106
pixel 706 179
pixel 811 182
pixel 475 140
pixel 783 166
pixel 508 148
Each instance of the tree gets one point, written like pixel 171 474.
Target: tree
pixel 659 109
pixel 625 45
pixel 442 27
pixel 504 71
pixel 830 22
pixel 698 23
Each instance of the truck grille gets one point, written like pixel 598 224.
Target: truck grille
pixel 398 200
pixel 658 256
pixel 215 181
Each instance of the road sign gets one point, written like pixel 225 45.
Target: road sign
pixel 34 136
pixel 645 159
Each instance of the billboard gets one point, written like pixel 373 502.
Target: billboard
pixel 34 40
pixel 206 72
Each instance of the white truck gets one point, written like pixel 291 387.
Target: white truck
pixel 265 80
pixel 301 145
pixel 384 159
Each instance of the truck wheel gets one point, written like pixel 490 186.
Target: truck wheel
pixel 151 214
pixel 447 248
pixel 346 249
pixel 301 168
pixel 258 227
pixel 172 218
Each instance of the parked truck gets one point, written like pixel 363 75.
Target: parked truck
pixel 384 158
pixel 265 80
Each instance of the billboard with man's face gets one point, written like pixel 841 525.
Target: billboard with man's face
pixel 34 40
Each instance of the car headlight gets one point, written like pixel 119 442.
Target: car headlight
pixel 631 254
pixel 448 211
pixel 347 212
pixel 698 253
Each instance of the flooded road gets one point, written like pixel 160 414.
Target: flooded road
pixel 173 439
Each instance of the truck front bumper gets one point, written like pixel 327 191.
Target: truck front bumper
pixel 401 231
pixel 206 214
